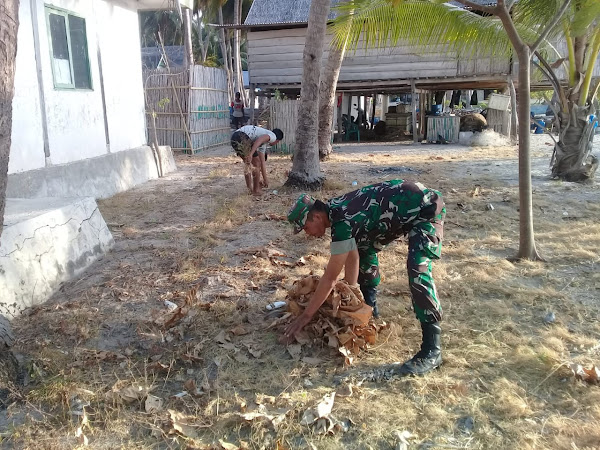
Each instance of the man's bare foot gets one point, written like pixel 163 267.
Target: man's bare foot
pixel 257 193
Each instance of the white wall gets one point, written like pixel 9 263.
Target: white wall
pixel 75 119
pixel 27 149
pixel 122 72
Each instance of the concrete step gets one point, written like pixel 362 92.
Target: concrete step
pixel 45 242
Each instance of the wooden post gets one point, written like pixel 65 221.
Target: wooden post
pixel 373 115
pixel 350 109
pixel 514 118
pixel 413 89
pixel 339 121
pixel 252 101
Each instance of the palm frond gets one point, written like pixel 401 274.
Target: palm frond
pixel 535 15
pixel 586 17
pixel 378 23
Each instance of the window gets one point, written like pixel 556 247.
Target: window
pixel 68 50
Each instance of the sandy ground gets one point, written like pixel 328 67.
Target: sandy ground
pixel 190 229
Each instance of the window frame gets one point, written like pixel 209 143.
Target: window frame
pixel 65 13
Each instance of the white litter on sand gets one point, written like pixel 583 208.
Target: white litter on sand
pixel 489 138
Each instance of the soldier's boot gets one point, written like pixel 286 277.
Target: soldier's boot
pixel 370 295
pixel 430 355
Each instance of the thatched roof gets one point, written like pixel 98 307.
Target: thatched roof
pixel 273 12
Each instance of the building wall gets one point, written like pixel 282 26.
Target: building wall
pixel 75 118
pixel 27 148
pixel 122 72
pixel 275 57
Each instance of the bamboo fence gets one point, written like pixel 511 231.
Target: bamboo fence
pixel 499 121
pixel 191 107
pixel 444 126
pixel 284 115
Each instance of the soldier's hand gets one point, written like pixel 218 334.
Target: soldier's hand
pixel 296 326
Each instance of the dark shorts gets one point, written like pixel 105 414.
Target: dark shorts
pixel 255 155
pixel 241 143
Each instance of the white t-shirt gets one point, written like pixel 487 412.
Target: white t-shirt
pixel 254 132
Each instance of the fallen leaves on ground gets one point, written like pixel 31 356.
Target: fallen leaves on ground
pixel 153 404
pixel 320 417
pixel 270 253
pixel 189 309
pixel 128 392
pixel 261 413
pixel 344 321
pixel 270 216
pixel 591 375
pixel 185 425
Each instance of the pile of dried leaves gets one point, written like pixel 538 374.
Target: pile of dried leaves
pixel 344 320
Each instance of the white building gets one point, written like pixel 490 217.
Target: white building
pixel 78 94
pixel 78 133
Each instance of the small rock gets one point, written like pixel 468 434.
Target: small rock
pixel 307 383
pixel 170 305
pixel 466 424
pixel 565 213
pixel 489 207
pixel 550 317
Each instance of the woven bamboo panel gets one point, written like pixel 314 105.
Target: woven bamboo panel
pixel 445 126
pixel 284 115
pixel 191 107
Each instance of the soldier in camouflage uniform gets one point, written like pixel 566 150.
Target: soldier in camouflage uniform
pixel 362 223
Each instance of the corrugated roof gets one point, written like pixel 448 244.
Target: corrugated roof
pixel 272 12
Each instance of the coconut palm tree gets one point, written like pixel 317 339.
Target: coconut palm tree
pixel 574 101
pixel 306 169
pixel 329 78
pixel 496 27
pixel 9 24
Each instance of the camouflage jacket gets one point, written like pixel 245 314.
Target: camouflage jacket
pixel 375 215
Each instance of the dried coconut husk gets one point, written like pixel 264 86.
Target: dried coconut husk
pixel 344 321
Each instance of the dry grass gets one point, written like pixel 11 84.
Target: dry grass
pixel 504 367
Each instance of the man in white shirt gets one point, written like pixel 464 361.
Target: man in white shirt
pixel 249 143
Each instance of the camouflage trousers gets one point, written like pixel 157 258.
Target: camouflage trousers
pixel 424 246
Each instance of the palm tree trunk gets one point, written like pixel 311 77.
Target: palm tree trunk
pixel 306 170
pixel 573 160
pixel 239 87
pixel 187 37
pixel 527 249
pixel 9 24
pixel 230 63
pixel 225 53
pixel 329 79
pixel 206 46
pixel 200 40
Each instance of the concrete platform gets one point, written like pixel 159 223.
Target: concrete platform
pixel 45 242
pixel 100 177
